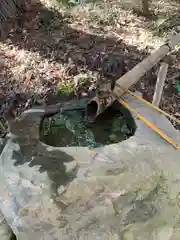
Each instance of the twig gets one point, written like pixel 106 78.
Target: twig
pixel 117 35
pixel 173 77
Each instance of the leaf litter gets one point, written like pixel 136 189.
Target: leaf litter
pixel 60 52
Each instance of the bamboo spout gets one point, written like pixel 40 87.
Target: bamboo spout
pixel 94 108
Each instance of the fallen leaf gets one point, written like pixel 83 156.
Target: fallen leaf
pixel 80 78
pixel 177 114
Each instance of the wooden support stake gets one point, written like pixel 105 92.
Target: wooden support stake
pixel 160 84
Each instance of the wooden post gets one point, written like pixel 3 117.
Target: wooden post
pixel 160 83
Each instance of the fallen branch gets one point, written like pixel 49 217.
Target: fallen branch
pixel 174 77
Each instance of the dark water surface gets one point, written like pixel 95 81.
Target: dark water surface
pixel 70 128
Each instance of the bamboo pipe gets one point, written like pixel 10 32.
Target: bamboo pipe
pixel 94 107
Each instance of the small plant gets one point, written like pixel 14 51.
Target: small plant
pixel 64 91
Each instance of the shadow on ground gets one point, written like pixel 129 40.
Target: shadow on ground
pixel 55 167
pixel 53 36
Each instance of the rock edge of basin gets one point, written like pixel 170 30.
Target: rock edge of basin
pixel 124 191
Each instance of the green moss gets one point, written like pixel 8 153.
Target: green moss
pixel 65 90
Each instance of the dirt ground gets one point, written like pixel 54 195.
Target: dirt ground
pixel 56 48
